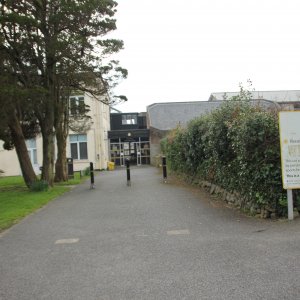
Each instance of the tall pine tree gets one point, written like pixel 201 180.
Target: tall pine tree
pixel 58 46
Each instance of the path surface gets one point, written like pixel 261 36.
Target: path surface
pixel 148 241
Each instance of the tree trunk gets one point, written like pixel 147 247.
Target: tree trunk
pixel 22 152
pixel 61 161
pixel 61 131
pixel 48 153
pixel 47 121
pixel 47 129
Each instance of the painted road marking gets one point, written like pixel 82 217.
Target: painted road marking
pixel 67 241
pixel 178 232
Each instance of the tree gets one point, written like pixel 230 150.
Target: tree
pixel 245 94
pixel 53 44
pixel 16 121
pixel 85 73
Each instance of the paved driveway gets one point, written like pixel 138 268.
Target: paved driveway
pixel 148 241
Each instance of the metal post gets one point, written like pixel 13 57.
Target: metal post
pixel 92 175
pixel 139 153
pixel 164 165
pixel 128 172
pixel 290 204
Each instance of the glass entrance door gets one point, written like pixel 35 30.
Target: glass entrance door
pixel 129 151
pixel 117 153
pixel 137 152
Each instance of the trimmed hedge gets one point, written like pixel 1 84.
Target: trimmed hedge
pixel 235 147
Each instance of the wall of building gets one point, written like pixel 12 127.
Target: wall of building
pixel 129 138
pixel 116 121
pixel 97 135
pixel 155 150
pixel 7 162
pixel 104 127
pixel 97 143
pixel 163 117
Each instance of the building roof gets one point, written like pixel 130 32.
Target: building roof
pixel 284 96
pixel 168 115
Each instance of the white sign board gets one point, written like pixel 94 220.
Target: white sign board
pixel 289 124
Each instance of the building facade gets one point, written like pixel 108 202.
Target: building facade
pixel 129 139
pixel 165 116
pixel 87 142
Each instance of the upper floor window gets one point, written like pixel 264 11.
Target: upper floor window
pixel 129 119
pixel 77 106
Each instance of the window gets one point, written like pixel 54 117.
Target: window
pixel 78 144
pixel 77 106
pixel 31 148
pixel 129 119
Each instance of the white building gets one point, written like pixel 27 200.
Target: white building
pixel 90 145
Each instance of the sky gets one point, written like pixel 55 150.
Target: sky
pixel 178 50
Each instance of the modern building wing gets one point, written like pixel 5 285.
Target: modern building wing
pixel 163 117
pixel 129 139
pixel 168 115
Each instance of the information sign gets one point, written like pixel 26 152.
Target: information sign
pixel 289 124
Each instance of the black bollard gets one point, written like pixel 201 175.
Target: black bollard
pixel 92 175
pixel 164 165
pixel 128 172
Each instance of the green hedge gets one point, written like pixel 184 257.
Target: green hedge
pixel 236 147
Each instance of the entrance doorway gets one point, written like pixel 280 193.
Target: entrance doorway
pixel 138 152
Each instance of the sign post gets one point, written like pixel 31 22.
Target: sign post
pixel 289 126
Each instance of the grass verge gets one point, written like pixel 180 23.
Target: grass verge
pixel 16 201
pixel 76 180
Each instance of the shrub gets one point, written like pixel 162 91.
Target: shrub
pixel 86 171
pixel 175 149
pixel 255 139
pixel 236 147
pixel 39 186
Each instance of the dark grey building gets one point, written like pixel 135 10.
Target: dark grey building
pixel 129 138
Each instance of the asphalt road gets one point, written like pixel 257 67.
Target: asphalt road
pixel 148 241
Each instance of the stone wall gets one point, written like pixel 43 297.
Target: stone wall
pixel 236 200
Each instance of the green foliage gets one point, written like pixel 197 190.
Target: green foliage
pixel 174 150
pixel 163 145
pixel 86 171
pixel 16 201
pixel 47 49
pixel 74 181
pixel 236 147
pixel 11 181
pixel 39 186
